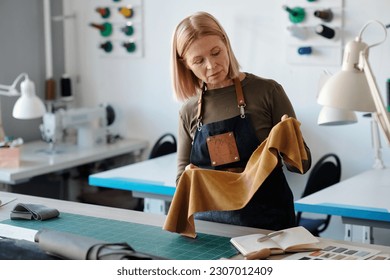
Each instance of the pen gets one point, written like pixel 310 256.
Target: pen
pixel 270 235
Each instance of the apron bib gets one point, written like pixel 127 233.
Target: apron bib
pixel 245 139
pixel 272 206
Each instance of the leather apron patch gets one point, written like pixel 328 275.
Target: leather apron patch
pixel 222 149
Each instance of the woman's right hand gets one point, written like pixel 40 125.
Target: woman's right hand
pixel 191 166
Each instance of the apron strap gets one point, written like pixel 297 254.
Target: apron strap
pixel 240 97
pixel 199 115
pixel 240 102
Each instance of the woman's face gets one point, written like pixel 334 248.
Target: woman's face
pixel 208 59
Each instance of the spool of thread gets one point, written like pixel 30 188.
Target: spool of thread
pixel 325 31
pixel 305 50
pixel 50 93
pixel 298 32
pixel 296 15
pixel 66 87
pixel 388 94
pixel 325 15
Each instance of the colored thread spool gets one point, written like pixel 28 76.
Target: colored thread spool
pixel 66 87
pixel 298 32
pixel 107 46
pixel 126 12
pixel 325 31
pixel 305 50
pixel 296 15
pixel 105 28
pixel 325 15
pixel 50 93
pixel 128 30
pixel 129 46
pixel 104 12
pixel 388 94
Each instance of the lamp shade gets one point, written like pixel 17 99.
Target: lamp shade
pixel 28 106
pixel 336 116
pixel 348 89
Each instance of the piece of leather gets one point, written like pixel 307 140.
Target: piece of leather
pixel 200 190
pixel 222 149
pixel 33 212
pixel 76 247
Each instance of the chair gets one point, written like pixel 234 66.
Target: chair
pixel 163 146
pixel 324 174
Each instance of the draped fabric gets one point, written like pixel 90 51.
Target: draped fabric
pixel 200 190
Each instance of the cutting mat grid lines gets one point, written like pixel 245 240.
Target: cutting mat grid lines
pixel 143 238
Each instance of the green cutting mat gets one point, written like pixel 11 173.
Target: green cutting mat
pixel 143 238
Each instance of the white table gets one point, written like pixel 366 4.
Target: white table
pixel 145 218
pixel 154 180
pixel 120 214
pixel 363 200
pixel 37 160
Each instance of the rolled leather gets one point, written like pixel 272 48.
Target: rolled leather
pixel 76 247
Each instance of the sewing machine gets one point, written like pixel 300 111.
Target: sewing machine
pixel 90 123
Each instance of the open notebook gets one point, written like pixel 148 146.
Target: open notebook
pixel 296 239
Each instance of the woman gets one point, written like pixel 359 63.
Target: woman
pixel 220 101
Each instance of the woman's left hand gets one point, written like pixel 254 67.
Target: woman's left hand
pixel 284 117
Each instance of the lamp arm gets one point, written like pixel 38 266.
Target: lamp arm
pixel 18 78
pixel 11 90
pixel 381 113
pixel 4 89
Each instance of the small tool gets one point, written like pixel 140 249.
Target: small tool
pixel 270 235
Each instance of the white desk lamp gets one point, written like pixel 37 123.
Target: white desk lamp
pixel 28 106
pixel 355 88
pixel 336 116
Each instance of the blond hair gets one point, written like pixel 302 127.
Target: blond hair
pixel 193 27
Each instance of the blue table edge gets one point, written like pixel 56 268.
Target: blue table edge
pixel 144 186
pixel 351 211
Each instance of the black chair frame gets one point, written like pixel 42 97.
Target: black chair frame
pixel 324 174
pixel 163 146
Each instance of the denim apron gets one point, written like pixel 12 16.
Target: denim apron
pixel 272 206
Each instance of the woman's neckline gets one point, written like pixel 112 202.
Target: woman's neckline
pixel 242 76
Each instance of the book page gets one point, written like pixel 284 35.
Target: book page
pixel 296 239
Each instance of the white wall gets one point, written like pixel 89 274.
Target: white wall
pixel 140 89
pixel 22 50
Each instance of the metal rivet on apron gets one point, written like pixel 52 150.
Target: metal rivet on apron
pixel 214 163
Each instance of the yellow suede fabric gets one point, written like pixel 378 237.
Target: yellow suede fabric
pixel 200 190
